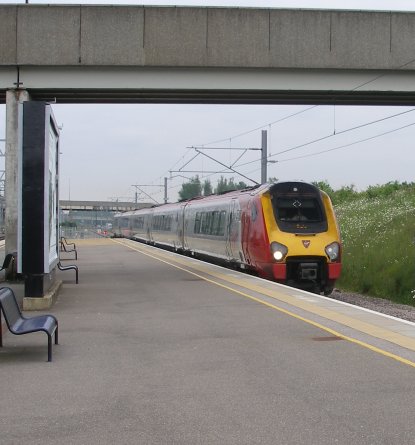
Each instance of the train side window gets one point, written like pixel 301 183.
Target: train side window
pixel 203 223
pixel 215 223
pixel 254 212
pixel 138 223
pixel 197 222
pixel 159 222
pixel 212 228
pixel 222 223
pixel 209 224
pixel 162 222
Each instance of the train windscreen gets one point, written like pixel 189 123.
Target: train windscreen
pixel 298 208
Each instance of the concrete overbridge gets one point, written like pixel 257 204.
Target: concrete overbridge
pixel 197 54
pixel 109 206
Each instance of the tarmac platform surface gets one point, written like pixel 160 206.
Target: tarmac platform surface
pixel 157 348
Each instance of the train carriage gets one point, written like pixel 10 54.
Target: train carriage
pixel 123 224
pixel 166 226
pixel 212 228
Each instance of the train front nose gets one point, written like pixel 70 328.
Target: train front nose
pixel 303 235
pixel 305 262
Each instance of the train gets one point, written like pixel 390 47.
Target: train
pixel 285 231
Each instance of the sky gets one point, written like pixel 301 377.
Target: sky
pixel 106 149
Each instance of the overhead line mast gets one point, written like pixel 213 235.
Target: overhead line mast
pixel 264 158
pixel 138 187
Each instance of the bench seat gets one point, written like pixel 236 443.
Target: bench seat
pixel 19 325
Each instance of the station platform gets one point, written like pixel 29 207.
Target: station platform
pixel 158 348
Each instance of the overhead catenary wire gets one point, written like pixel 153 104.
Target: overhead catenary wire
pixel 329 136
pixel 347 130
pixel 228 139
pixel 258 128
pixel 306 110
pixel 314 141
pixel 323 151
pixel 349 144
pixel 374 79
pixel 330 149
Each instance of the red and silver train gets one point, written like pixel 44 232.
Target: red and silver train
pixel 286 232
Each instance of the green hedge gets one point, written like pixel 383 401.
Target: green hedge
pixel 378 233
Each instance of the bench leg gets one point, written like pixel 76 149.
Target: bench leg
pixel 56 336
pixel 49 348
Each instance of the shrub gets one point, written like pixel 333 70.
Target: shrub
pixel 378 232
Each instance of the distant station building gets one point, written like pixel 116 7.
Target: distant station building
pixel 97 215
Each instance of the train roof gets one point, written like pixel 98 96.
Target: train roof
pixel 255 190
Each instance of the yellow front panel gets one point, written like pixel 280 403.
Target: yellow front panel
pixel 295 244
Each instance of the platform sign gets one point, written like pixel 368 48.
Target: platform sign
pixel 38 177
pixel 52 210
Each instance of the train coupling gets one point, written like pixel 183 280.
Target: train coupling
pixel 308 271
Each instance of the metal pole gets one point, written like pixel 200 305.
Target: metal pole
pixel 165 190
pixel 264 156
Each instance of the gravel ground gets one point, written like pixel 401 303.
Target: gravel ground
pixel 376 304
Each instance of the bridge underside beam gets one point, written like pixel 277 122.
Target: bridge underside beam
pixel 225 97
pixel 214 86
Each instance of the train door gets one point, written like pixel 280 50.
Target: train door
pixel 148 228
pixel 180 227
pixel 246 230
pixel 234 247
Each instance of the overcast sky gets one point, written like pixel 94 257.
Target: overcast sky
pixel 107 148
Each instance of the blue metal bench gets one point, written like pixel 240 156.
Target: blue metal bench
pixel 9 259
pixel 70 267
pixel 19 325
pixel 66 247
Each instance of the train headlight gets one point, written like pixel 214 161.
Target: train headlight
pixel 279 251
pixel 333 251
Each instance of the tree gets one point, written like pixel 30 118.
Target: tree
pixel 325 186
pixel 191 189
pixel 225 186
pixel 221 186
pixel 346 193
pixel 207 188
pixel 241 185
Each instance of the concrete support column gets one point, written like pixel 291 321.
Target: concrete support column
pixel 13 132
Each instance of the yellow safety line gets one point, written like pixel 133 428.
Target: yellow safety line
pixel 333 315
pixel 284 311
